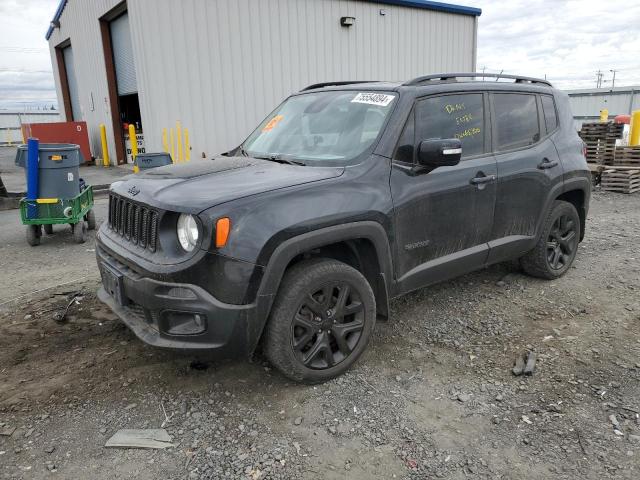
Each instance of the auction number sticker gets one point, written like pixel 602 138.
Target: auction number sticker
pixel 380 99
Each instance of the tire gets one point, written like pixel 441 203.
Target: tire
pixel 557 246
pixel 80 232
pixel 90 217
pixel 34 232
pixel 307 337
pixel 48 229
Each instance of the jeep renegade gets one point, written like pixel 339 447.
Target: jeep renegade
pixel 347 195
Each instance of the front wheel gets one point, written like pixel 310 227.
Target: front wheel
pixel 557 247
pixel 321 321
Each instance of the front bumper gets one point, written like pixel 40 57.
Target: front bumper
pixel 147 306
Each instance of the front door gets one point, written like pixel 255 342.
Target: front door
pixel 443 217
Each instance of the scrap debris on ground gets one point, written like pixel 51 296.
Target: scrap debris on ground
pixel 434 396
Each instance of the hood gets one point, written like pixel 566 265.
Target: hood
pixel 200 184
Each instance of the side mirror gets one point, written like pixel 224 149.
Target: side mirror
pixel 439 153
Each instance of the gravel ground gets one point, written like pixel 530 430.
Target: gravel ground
pixel 433 397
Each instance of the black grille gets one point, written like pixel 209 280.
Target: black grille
pixel 136 223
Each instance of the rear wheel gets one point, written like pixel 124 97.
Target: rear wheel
pixel 34 232
pixel 80 231
pixel 321 321
pixel 48 229
pixel 557 247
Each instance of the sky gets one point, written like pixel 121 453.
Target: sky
pixel 567 41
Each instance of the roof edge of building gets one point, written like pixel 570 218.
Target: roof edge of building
pixel 56 18
pixel 424 4
pixel 602 91
pixel 431 5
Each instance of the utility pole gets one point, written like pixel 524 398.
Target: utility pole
pixel 599 77
pixel 613 81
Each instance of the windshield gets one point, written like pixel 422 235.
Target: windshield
pixel 322 128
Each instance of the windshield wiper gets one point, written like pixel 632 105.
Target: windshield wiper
pixel 276 157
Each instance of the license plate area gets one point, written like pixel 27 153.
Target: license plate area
pixel 112 281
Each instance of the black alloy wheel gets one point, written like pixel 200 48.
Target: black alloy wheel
pixel 562 242
pixel 321 321
pixel 557 245
pixel 327 326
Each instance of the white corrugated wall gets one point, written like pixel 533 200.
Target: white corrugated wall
pixel 219 66
pixel 80 24
pixel 588 103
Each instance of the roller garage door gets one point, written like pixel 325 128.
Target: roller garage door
pixel 123 55
pixel 72 83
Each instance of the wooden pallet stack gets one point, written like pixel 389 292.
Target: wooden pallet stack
pixel 624 175
pixel 600 138
pixel 621 179
pixel 628 156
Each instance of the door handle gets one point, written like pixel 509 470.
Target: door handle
pixel 546 163
pixel 483 179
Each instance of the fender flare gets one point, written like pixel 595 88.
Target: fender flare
pixel 289 249
pixel 557 190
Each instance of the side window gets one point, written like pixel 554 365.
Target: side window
pixel 453 116
pixel 404 150
pixel 549 110
pixel 516 118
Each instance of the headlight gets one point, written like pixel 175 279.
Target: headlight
pixel 187 231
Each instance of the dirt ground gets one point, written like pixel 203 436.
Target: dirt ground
pixel 433 396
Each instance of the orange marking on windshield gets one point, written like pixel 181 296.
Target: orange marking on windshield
pixel 272 123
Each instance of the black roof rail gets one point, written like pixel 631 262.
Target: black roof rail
pixel 444 77
pixel 335 84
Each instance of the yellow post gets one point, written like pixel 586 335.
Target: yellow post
pixel 179 141
pixel 9 137
pixel 187 147
pixel 173 148
pixel 165 144
pixel 105 148
pixel 604 115
pixel 634 132
pixel 133 140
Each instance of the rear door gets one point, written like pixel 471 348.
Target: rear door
pixel 528 166
pixel 443 217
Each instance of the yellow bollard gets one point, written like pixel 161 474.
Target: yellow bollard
pixel 105 148
pixel 179 142
pixel 9 137
pixel 604 115
pixel 165 144
pixel 173 148
pixel 187 147
pixel 634 132
pixel 133 141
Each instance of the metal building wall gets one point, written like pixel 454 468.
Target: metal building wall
pixel 221 66
pixel 586 104
pixel 80 24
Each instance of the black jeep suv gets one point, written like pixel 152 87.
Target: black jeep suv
pixel 347 195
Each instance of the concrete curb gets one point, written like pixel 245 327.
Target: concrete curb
pixel 12 202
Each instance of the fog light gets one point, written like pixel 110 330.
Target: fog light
pixel 184 323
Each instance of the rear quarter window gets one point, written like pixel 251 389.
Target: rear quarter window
pixel 516 120
pixel 549 111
